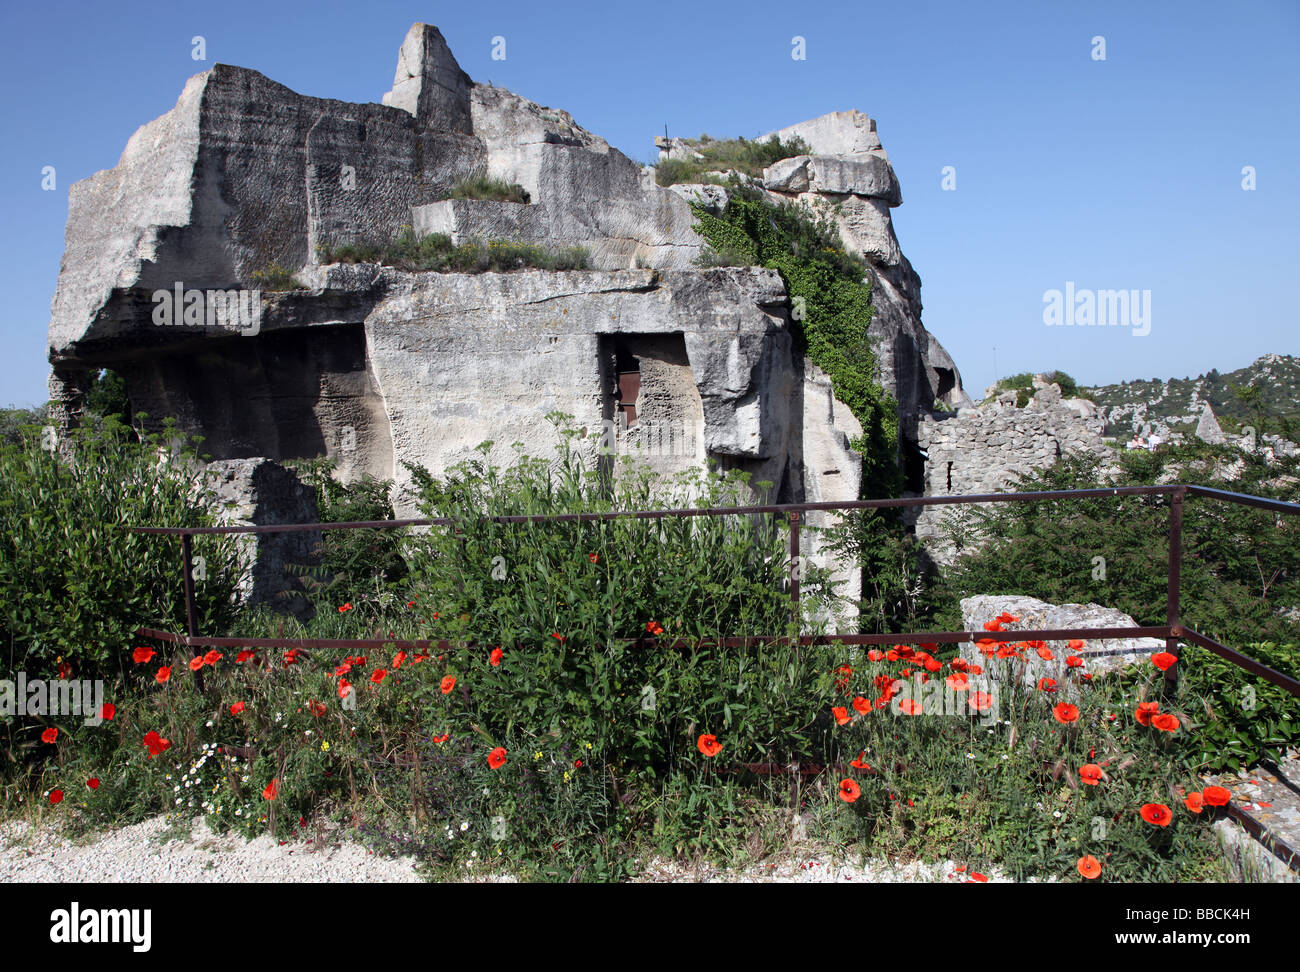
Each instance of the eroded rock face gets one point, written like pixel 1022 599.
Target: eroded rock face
pixel 848 175
pixel 256 491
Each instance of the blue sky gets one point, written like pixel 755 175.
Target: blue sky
pixel 1117 174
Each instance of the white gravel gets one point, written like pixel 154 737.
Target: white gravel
pixel 154 851
pixel 150 852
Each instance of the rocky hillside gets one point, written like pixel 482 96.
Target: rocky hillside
pixel 1264 394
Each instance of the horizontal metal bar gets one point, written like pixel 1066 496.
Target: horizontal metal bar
pixel 780 508
pixel 1243 661
pixel 917 637
pixel 1278 506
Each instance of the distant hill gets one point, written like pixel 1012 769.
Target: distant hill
pixel 1264 394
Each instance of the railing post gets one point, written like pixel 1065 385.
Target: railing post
pixel 793 516
pixel 1175 581
pixel 191 621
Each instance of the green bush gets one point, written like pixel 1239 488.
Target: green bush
pixel 74 583
pixel 1241 570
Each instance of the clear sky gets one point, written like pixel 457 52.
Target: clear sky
pixel 1123 173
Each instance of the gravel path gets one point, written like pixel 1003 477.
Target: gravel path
pixel 151 851
pixel 155 851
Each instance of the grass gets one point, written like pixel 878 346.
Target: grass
pixel 437 253
pixel 744 156
pixel 481 186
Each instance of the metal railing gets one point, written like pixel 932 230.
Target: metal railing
pixel 1172 631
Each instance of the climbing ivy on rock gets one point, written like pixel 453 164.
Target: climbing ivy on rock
pixel 836 301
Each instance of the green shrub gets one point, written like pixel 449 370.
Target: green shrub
pixel 1241 570
pixel 74 583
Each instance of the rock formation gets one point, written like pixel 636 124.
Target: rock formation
pixel 1099 655
pixel 194 270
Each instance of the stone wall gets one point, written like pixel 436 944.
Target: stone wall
pixel 986 449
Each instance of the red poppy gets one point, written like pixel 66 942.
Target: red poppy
pixel 93 783
pixel 1165 722
pixel 861 705
pixel 272 790
pixel 237 708
pixel 557 636
pixel 443 738
pixel 244 656
pixel 577 764
pixel 317 709
pixel 593 557
pixel 342 669
pixel 1064 712
pixel 156 744
pixel 875 655
pixel 1073 661
pixel 958 682
pixel 448 683
pixel 346 607
pixel 654 627
pixel 497 758
pixel 1047 685
pixel 1145 711
pixel 1007 618
pixel 142 656
pixel 981 701
pixel 708 744
pixel 1216 796
pixel 849 791
pixel 1089 866
pixel 344 688
pixel 909 707
pixel 212 657
pixel 163 674
pixel 108 711
pixel 1194 802
pixel 56 796
pixel 994 625
pixel 494 659
pixel 1090 773
pixel 841 715
pixel 1163 660
pixel 1045 654
pixel 196 663
pixel 378 675
pixel 49 735
pixel 933 664
pixel 859 764
pixel 291 656
pixel 980 878
pixel 1075 644
pixel 65 670
pixel 1156 814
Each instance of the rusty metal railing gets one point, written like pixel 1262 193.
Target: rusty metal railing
pixel 1172 631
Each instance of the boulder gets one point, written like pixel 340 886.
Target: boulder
pixel 1099 656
